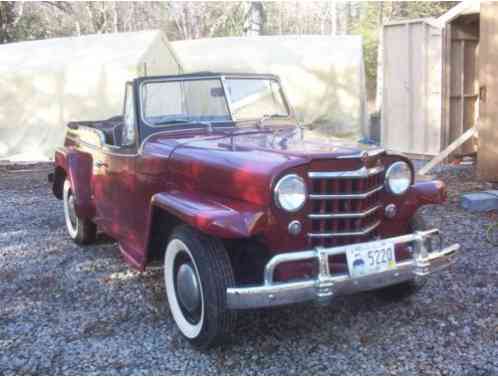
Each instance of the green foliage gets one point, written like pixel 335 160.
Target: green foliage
pixel 368 27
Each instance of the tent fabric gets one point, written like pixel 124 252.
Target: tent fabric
pixel 45 84
pixel 323 76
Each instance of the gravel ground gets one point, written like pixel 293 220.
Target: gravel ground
pixel 66 309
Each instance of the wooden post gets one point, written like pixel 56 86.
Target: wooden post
pixel 253 25
pixel 449 150
pixel 487 156
pixel 410 85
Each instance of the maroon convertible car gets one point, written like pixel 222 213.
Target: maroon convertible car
pixel 212 174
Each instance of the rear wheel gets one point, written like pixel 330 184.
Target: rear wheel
pixel 197 273
pixel 402 290
pixel 82 231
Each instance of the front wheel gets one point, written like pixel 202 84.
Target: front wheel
pixel 197 273
pixel 82 231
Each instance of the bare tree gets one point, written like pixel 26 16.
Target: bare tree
pixel 255 18
pixel 11 13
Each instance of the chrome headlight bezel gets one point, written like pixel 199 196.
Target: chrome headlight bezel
pixel 277 193
pixel 407 169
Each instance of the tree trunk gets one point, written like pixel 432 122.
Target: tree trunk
pixel 9 18
pixel 255 19
pixel 333 18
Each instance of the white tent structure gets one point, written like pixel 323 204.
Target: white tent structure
pixel 323 76
pixel 45 84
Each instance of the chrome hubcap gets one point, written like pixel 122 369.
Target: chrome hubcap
pixel 188 290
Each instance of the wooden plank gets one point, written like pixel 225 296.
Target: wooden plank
pixel 470 87
pixel 411 118
pixel 425 58
pixel 455 88
pixel 445 115
pixel 411 125
pixel 396 106
pixel 384 123
pixel 418 156
pixel 449 150
pixel 434 99
pixel 487 157
pixel 462 83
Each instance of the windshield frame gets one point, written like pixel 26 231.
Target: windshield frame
pixel 222 79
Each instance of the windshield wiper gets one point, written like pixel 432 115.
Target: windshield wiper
pixel 172 121
pixel 208 125
pixel 269 117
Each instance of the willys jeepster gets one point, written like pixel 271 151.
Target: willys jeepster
pixel 212 175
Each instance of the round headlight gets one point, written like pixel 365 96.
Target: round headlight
pixel 290 193
pixel 398 177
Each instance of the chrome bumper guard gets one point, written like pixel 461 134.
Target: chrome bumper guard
pixel 326 285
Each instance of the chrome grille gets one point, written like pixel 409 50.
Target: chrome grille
pixel 345 205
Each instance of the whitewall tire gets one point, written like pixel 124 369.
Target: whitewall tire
pixel 197 272
pixel 189 322
pixel 81 231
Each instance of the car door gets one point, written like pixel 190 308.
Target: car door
pixel 119 194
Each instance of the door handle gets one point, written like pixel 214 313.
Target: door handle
pixel 100 164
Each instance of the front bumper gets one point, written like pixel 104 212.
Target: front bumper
pixel 326 285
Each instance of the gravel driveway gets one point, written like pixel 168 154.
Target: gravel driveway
pixel 66 309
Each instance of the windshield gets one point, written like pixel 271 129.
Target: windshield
pixel 166 102
pixel 203 100
pixel 255 98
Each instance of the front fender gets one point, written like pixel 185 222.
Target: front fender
pixel 223 218
pixel 429 192
pixel 419 194
pixel 79 171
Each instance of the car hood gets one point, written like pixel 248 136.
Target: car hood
pixel 266 142
pixel 245 161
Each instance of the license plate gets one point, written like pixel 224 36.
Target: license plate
pixel 370 258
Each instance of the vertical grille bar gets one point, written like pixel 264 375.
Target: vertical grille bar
pixel 355 215
pixel 323 209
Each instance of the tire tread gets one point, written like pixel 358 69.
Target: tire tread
pixel 86 229
pixel 210 252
